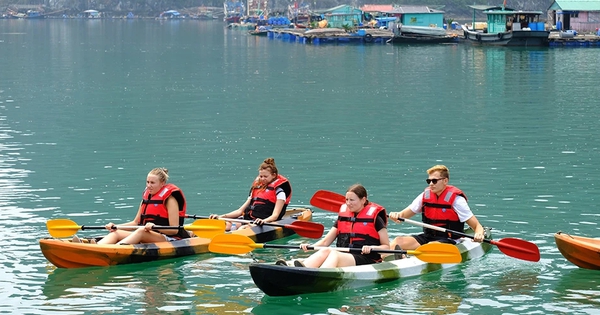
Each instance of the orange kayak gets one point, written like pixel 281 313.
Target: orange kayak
pixel 584 252
pixel 65 254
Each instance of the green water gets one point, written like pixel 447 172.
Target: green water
pixel 87 108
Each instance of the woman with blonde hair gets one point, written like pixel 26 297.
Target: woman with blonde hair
pixel 162 204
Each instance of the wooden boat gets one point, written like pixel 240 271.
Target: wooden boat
pixel 420 30
pixel 260 31
pixel 65 254
pixel 278 280
pixel 483 38
pixel 496 33
pixel 423 39
pixel 583 252
pixel 404 34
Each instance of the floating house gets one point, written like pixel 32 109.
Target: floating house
pixel 583 16
pixel 342 15
pixel 418 15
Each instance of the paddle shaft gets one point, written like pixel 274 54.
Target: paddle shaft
pixel 341 249
pixel 302 228
pixel 193 216
pixel 131 227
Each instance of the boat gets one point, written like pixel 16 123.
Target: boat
pixel 495 33
pixel 423 39
pixel 299 13
pixel 405 34
pixel 170 15
pixel 260 31
pixel 527 29
pixel 91 14
pixel 64 253
pixel 282 280
pixel 33 14
pixel 583 252
pixel 419 30
pixel 233 11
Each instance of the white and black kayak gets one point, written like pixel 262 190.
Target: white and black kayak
pixel 279 280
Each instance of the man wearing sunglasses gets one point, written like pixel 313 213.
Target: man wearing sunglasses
pixel 441 205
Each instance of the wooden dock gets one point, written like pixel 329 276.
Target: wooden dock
pixel 330 36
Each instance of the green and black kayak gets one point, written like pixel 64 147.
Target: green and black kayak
pixel 280 280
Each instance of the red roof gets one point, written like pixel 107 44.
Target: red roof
pixel 377 7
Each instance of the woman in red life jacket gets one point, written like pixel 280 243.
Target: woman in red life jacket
pixel 360 224
pixel 441 205
pixel 162 204
pixel 268 198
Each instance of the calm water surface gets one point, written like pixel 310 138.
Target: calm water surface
pixel 87 108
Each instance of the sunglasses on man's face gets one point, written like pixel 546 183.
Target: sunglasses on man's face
pixel 433 180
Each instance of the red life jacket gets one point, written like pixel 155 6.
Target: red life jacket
pixel 263 199
pixel 155 210
pixel 357 230
pixel 438 211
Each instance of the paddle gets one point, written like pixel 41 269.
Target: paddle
pixel 514 247
pixel 202 228
pixel 437 253
pixel 302 228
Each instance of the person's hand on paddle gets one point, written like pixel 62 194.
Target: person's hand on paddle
pixel 214 216
pixel 394 216
pixel 366 249
pixel 149 226
pixel 478 237
pixel 111 227
pixel 304 247
pixel 259 221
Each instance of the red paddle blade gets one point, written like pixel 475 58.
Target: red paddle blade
pixel 518 248
pixel 307 229
pixel 327 200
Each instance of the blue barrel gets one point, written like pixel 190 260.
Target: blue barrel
pixel 532 26
pixel 541 26
pixel 559 25
pixel 361 32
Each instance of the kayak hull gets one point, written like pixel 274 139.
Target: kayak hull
pixel 277 280
pixel 65 254
pixel 584 252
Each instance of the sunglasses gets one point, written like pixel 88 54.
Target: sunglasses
pixel 433 180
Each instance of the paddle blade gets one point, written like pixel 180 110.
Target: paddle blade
pixel 327 200
pixel 437 253
pixel 518 248
pixel 62 227
pixel 234 244
pixel 206 228
pixel 307 229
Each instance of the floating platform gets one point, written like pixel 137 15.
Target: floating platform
pixel 555 40
pixel 331 36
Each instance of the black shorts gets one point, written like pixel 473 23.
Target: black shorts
pixel 361 259
pixel 424 239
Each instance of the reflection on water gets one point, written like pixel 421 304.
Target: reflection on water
pixel 156 285
pixel 577 290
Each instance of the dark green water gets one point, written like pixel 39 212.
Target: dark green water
pixel 87 108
